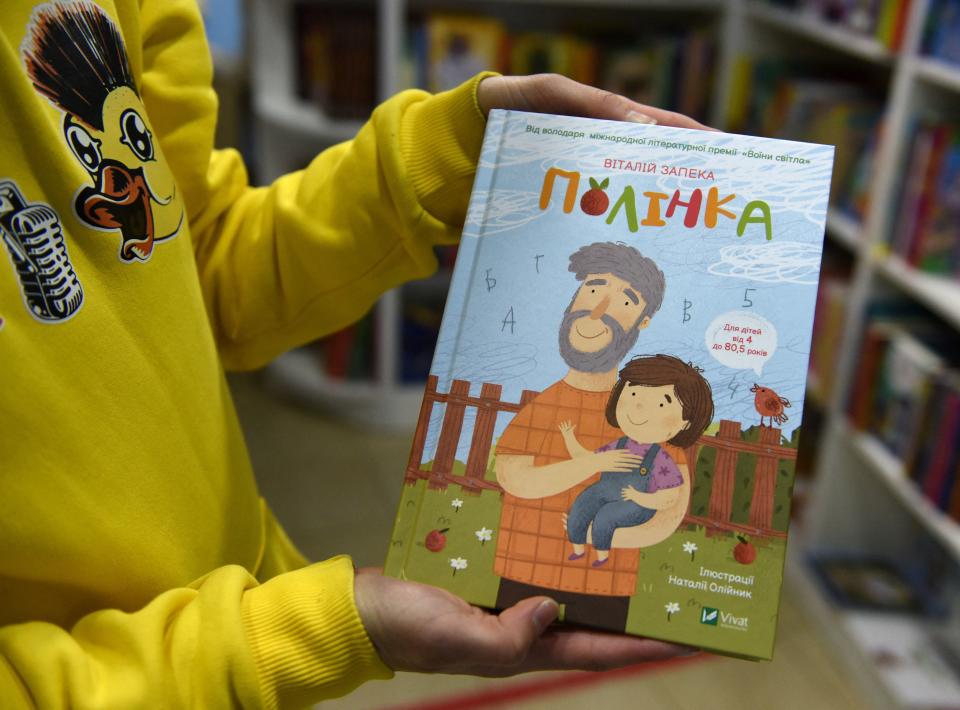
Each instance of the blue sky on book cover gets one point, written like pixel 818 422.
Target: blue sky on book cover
pixel 512 284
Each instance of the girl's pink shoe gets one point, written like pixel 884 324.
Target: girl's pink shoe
pixel 575 556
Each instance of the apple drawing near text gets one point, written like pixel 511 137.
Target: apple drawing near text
pixel 744 553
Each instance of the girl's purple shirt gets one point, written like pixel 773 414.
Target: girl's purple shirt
pixel 666 473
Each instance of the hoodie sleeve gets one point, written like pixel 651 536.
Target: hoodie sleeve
pixel 224 641
pixel 307 255
pixel 278 266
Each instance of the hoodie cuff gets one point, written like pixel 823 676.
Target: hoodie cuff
pixel 440 140
pixel 307 638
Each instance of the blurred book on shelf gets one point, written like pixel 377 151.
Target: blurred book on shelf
pixel 775 98
pixel 349 354
pixel 336 46
pixel 446 257
pixel 926 228
pixel 561 53
pixel 673 71
pixel 907 395
pixel 453 48
pixel 941 37
pixel 814 423
pixel 832 297
pixel 419 329
pixel 882 20
pixel 868 583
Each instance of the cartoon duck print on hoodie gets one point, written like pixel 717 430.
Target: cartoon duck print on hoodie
pixel 75 57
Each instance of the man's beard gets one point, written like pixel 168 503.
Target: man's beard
pixel 603 360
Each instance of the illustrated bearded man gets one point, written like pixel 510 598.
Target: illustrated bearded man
pixel 619 293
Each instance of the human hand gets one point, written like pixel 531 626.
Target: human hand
pixel 554 93
pixel 416 627
pixel 616 460
pixel 567 427
pixel 631 494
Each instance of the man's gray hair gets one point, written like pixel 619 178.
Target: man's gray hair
pixel 624 262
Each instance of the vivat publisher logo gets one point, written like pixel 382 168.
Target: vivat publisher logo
pixel 709 616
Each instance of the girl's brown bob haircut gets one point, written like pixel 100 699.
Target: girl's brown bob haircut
pixel 691 389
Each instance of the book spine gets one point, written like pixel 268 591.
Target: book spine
pixel 918 161
pixel 935 478
pixel 871 355
pixel 900 24
pixel 918 245
pixel 887 17
pixel 465 280
pixel 917 455
pixel 950 475
pixel 953 509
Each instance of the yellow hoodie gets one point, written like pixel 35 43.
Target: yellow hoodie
pixel 137 262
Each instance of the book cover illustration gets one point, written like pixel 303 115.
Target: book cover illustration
pixel 613 409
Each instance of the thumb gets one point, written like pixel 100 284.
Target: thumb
pixel 526 620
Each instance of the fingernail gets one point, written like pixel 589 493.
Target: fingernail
pixel 545 614
pixel 687 651
pixel 638 117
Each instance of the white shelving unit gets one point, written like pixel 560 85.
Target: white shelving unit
pixel 288 130
pixel 845 231
pixel 891 472
pixel 856 481
pixel 815 30
pixel 940 295
pixel 938 73
pixel 862 499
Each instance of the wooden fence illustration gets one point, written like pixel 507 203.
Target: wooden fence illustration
pixel 727 442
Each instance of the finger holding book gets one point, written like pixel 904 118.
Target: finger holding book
pixel 417 627
pixel 554 93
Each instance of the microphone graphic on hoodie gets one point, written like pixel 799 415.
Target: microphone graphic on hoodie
pixel 34 238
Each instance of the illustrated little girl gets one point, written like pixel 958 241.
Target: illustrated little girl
pixel 658 399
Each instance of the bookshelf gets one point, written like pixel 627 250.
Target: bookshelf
pixel 939 294
pixel 862 499
pixel 289 129
pixel 844 230
pixel 859 495
pixel 820 32
pixel 890 471
pixel 938 73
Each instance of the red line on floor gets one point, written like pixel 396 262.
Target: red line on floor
pixel 542 686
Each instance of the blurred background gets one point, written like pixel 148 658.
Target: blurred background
pixel 870 615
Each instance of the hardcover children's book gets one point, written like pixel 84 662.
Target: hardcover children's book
pixel 613 409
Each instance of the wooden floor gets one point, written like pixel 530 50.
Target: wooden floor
pixel 335 490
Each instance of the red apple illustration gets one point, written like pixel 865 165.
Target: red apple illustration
pixel 744 553
pixel 436 540
pixel 595 201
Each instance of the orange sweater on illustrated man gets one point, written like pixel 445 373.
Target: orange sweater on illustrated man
pixel 532 546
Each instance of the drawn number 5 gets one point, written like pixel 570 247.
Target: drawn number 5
pixel 747 302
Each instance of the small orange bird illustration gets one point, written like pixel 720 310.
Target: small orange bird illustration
pixel 769 404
